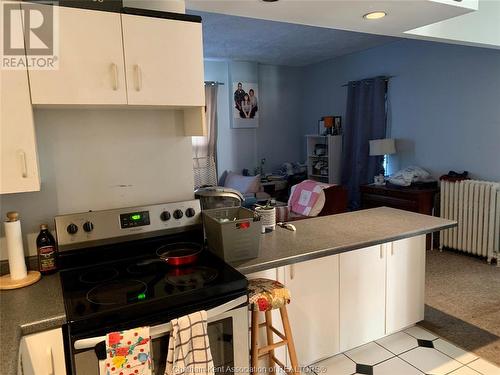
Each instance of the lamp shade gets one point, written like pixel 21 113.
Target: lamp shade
pixel 384 146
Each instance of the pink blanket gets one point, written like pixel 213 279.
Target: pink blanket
pixel 305 195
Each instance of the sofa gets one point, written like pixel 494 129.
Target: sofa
pixel 249 186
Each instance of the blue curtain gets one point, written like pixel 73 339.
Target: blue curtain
pixel 365 119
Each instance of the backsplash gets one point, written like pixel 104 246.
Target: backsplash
pixel 93 159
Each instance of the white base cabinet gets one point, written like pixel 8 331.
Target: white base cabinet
pixel 42 354
pixel 381 290
pixel 343 301
pixel 405 283
pixel 314 308
pixel 362 296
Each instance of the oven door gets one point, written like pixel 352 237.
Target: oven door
pixel 228 336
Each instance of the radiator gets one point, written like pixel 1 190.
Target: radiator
pixel 475 205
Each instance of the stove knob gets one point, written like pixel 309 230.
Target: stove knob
pixel 178 214
pixel 165 216
pixel 88 226
pixel 72 228
pixel 190 212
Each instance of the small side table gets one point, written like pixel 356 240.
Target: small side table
pixel 420 200
pixel 277 189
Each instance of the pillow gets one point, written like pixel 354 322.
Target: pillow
pixel 244 184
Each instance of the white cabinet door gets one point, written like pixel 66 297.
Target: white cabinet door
pixel 362 296
pixel 405 283
pixel 164 61
pixel 18 154
pixel 314 307
pixel 91 67
pixel 280 353
pixel 43 353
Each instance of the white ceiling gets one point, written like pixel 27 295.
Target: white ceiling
pixel 278 43
pixel 480 28
pixel 402 15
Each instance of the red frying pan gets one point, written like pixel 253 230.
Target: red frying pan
pixel 180 253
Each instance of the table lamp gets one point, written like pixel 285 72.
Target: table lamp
pixel 379 147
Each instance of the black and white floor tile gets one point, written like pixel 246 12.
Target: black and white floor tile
pixel 414 351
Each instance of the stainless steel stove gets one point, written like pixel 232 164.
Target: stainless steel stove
pixel 112 280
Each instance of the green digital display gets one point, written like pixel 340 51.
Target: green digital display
pixel 141 296
pixel 134 219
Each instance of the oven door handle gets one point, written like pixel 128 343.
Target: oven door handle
pixel 162 329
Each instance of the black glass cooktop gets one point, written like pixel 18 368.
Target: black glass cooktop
pixel 122 290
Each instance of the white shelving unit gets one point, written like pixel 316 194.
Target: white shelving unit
pixel 332 158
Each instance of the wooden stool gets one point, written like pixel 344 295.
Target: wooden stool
pixel 266 295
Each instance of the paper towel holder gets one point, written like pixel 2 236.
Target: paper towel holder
pixel 32 276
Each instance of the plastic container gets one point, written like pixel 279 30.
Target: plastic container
pixel 268 218
pixel 232 233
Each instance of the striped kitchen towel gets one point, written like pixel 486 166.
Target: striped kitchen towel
pixel 188 347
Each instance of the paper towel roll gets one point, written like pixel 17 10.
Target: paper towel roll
pixel 14 237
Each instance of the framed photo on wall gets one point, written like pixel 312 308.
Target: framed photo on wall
pixel 245 103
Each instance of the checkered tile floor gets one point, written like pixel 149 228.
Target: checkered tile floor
pixel 414 351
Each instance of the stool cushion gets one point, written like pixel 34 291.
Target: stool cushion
pixel 266 295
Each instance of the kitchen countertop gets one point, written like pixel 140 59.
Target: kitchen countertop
pixel 40 307
pixel 328 235
pixel 32 309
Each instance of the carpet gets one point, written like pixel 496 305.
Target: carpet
pixel 462 298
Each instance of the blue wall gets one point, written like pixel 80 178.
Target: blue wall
pixel 444 102
pixel 279 137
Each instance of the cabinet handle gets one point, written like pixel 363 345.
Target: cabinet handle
pixel 138 77
pixel 292 271
pixel 392 249
pixel 24 164
pixel 21 363
pixel 114 71
pixel 381 251
pixel 51 361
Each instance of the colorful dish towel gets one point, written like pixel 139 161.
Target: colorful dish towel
pixel 128 353
pixel 307 198
pixel 188 347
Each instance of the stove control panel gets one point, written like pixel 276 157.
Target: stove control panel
pixel 84 229
pixel 134 219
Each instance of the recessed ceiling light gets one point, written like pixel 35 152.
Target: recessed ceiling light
pixel 374 15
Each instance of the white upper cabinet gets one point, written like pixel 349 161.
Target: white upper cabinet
pixel 164 61
pixel 405 283
pixel 18 156
pixel 91 68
